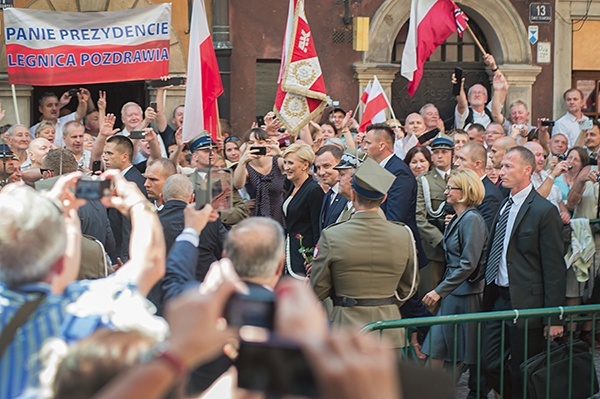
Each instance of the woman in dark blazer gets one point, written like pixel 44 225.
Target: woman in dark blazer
pixel 464 244
pixel 301 207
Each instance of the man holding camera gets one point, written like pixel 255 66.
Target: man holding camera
pixel 39 260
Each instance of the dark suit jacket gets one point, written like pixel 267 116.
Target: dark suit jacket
pixel 303 218
pixel 491 202
pixel 95 223
pixel 534 257
pixel 211 239
pixel 335 209
pixel 503 190
pixel 121 225
pixel 401 202
pixel 464 246
pixel 180 272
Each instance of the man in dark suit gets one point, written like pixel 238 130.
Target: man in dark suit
pixel 326 158
pixel 525 269
pixel 117 154
pixel 177 193
pixel 255 247
pixel 401 202
pixel 473 156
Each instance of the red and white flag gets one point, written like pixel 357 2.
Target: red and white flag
pixel 204 84
pixel 301 88
pixel 431 23
pixel 377 103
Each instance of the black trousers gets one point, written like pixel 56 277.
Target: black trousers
pixel 514 348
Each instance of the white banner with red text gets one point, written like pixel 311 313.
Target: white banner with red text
pixel 46 48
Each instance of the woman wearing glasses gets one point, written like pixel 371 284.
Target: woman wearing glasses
pixel 464 245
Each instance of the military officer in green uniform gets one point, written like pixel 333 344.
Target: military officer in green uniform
pixel 366 265
pixel 431 212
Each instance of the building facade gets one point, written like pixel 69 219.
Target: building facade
pixel 248 37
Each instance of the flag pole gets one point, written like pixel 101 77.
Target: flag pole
pixel 477 42
pixel 356 109
pixel 14 96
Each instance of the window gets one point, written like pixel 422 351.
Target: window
pixel 267 72
pixel 589 84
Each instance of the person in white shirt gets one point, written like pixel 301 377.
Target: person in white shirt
pixel 471 107
pixel 543 181
pixel 569 123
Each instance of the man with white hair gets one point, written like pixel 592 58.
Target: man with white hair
pixel 39 260
pixel 471 107
pixel 431 117
pixel 134 118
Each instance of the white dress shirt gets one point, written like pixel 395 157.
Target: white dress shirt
pixel 568 125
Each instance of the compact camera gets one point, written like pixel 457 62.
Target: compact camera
pixel 92 188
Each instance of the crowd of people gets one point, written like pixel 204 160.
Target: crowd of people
pixel 401 220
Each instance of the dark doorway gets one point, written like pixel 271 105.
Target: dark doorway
pixel 436 86
pixel 117 94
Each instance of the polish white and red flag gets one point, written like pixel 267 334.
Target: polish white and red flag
pixel 204 83
pixel 301 89
pixel 376 105
pixel 432 22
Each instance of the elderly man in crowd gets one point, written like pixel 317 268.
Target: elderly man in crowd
pixel 39 259
pixel 431 117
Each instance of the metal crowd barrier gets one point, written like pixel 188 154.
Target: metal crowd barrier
pixel 571 315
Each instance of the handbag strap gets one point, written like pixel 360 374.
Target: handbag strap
pixel 20 318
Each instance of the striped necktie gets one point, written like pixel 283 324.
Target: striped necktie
pixel 495 255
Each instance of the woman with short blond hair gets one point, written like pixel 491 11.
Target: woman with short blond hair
pixel 464 244
pixel 301 207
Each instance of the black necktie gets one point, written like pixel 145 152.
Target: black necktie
pixel 327 200
pixel 495 255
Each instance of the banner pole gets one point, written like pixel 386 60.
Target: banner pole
pixel 14 96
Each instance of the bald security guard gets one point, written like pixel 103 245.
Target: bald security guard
pixel 366 263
